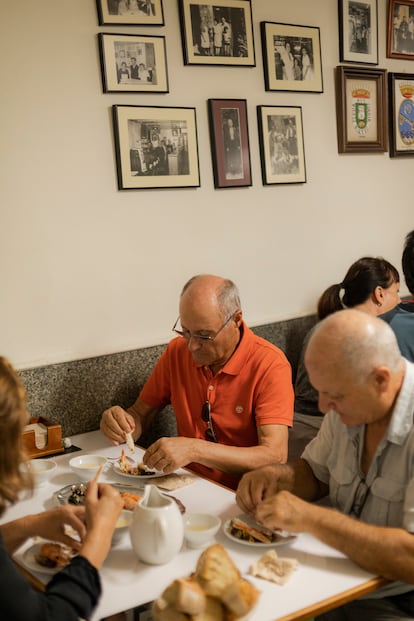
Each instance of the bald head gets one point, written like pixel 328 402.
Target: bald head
pixel 215 292
pixel 355 341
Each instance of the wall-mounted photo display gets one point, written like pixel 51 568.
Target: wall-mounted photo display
pixel 217 32
pixel 155 147
pixel 291 57
pixel 133 63
pixel 130 12
pixel 401 114
pixel 358 31
pixel 229 137
pixel 400 30
pixel 361 109
pixel 281 144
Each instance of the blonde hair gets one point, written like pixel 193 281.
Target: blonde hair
pixel 13 417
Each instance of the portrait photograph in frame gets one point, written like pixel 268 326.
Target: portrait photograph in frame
pixel 229 138
pixel 281 145
pixel 217 32
pixel 291 57
pixel 400 29
pixel 358 31
pixel 361 109
pixel 155 147
pixel 133 63
pixel 130 12
pixel 401 114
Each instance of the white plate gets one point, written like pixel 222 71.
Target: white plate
pixel 29 559
pixel 283 536
pixel 62 495
pixel 137 477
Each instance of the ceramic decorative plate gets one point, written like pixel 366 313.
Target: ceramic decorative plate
pixel 138 477
pixel 29 560
pixel 281 537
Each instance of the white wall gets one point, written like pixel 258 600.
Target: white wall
pixel 87 269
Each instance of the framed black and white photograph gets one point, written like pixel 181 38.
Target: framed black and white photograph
pixel 217 32
pixel 291 57
pixel 130 12
pixel 401 114
pixel 281 144
pixel 358 31
pixel 133 63
pixel 361 112
pixel 400 31
pixel 156 147
pixel 229 136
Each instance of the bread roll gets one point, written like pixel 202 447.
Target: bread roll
pixel 240 597
pixel 213 611
pixel 215 570
pixel 185 595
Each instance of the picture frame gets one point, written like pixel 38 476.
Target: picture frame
pixel 133 63
pixel 361 109
pixel 130 12
pixel 281 144
pixel 217 32
pixel 292 59
pixel 229 137
pixel 400 29
pixel 358 31
pixel 401 114
pixel 155 147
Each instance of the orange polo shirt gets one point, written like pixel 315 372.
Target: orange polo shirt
pixel 253 388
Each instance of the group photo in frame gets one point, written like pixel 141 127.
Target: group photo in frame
pixel 400 30
pixel 361 109
pixel 217 32
pixel 155 147
pixel 401 114
pixel 292 59
pixel 358 31
pixel 281 145
pixel 229 136
pixel 130 12
pixel 133 63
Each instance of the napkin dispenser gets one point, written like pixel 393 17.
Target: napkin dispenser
pixel 42 437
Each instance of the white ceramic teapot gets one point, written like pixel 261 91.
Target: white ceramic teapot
pixel 157 528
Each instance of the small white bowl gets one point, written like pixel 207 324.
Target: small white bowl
pixel 200 528
pixel 86 466
pixel 41 469
pixel 122 526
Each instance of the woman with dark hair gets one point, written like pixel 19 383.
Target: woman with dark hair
pixel 74 591
pixel 371 285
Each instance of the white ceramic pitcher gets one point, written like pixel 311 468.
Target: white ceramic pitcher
pixel 157 528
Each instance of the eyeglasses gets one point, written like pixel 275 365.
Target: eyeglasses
pixel 200 337
pixel 206 416
pixel 360 497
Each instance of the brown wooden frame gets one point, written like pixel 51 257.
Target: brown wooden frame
pixel 403 49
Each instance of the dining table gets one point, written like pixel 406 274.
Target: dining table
pixel 324 577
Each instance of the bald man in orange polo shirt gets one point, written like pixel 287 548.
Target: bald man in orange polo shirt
pixel 231 391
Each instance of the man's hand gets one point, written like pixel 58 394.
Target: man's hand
pixel 257 485
pixel 284 511
pixel 168 454
pixel 115 423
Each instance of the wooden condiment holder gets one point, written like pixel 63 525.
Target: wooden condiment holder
pixel 54 439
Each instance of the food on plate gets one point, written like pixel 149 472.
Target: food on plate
pixel 241 530
pixel 138 469
pixel 77 494
pixel 54 555
pixel 130 500
pixel 216 591
pixel 271 567
pixel 130 442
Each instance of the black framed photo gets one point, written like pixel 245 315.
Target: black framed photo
pixel 229 137
pixel 358 31
pixel 130 12
pixel 400 29
pixel 156 147
pixel 133 63
pixel 401 114
pixel 281 144
pixel 361 111
pixel 292 58
pixel 217 32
